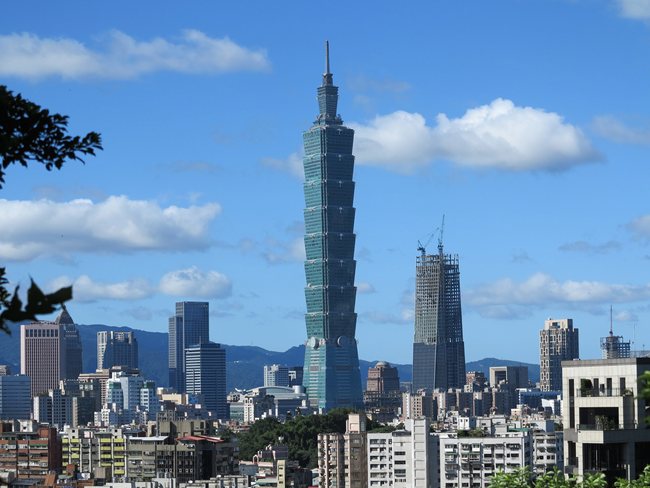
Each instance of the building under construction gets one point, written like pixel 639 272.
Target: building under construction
pixel 438 347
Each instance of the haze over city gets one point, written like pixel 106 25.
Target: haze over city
pixel 525 124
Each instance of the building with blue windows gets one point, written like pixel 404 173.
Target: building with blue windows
pixel 331 370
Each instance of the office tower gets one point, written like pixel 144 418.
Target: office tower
pixel 42 355
pixel 383 378
pixel 558 341
pixel 117 348
pixel 5 370
pixel 73 349
pixel 276 375
pixel 205 375
pixel 331 371
pixel 438 347
pixel 15 397
pixel 187 327
pixel 295 376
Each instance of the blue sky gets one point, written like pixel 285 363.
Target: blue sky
pixel 527 124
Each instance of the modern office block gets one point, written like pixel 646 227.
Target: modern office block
pixel 205 375
pixel 73 348
pixel 331 368
pixel 15 397
pixel 438 346
pixel 276 375
pixel 117 348
pixel 383 378
pixel 295 376
pixel 190 325
pixel 558 341
pixel 43 355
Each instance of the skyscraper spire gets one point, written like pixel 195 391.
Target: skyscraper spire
pixel 327 76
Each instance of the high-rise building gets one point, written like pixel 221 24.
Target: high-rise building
pixel 438 347
pixel 331 371
pixel 343 458
pixel 15 397
pixel 117 348
pixel 43 355
pixel 276 375
pixel 73 349
pixel 189 326
pixel 558 341
pixel 205 375
pixel 383 378
pixel 611 346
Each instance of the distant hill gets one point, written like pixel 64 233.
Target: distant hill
pixel 244 368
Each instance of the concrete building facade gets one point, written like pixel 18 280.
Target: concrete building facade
pixel 558 341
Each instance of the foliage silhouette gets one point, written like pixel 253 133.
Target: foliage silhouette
pixel 30 133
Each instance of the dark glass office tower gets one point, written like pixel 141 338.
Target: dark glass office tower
pixel 73 348
pixel 331 372
pixel 190 325
pixel 438 347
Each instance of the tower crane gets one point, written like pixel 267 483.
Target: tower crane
pixel 439 231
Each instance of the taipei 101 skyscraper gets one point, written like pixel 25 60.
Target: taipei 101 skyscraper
pixel 331 371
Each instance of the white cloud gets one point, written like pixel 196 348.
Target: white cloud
pixel 45 228
pixel 364 287
pixel 292 165
pixel 190 283
pixel 86 290
pixel 587 247
pixel 541 290
pixel 626 316
pixel 635 9
pixel 193 282
pixel 640 228
pixel 285 252
pixel 499 135
pixel 120 56
pixel 615 130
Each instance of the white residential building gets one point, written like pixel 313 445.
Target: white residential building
pixel 403 458
pixel 472 461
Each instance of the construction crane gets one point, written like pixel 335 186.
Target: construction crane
pixel 423 247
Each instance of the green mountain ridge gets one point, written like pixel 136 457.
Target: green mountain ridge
pixel 244 364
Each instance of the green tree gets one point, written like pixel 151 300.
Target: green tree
pixel 31 134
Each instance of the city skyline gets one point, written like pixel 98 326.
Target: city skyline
pixel 532 141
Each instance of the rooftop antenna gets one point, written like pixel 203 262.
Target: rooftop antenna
pixel 611 322
pixel 442 230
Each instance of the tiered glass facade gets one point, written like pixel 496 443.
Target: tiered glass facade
pixel 331 372
pixel 438 346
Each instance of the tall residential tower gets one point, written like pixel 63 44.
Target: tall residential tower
pixel 558 341
pixel 331 372
pixel 438 347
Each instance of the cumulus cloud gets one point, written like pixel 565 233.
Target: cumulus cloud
pixel 120 56
pixel 193 282
pixel 543 290
pixel 292 165
pixel 626 316
pixel 45 228
pixel 640 228
pixel 85 289
pixel 615 130
pixel 498 135
pixel 635 9
pixel 586 247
